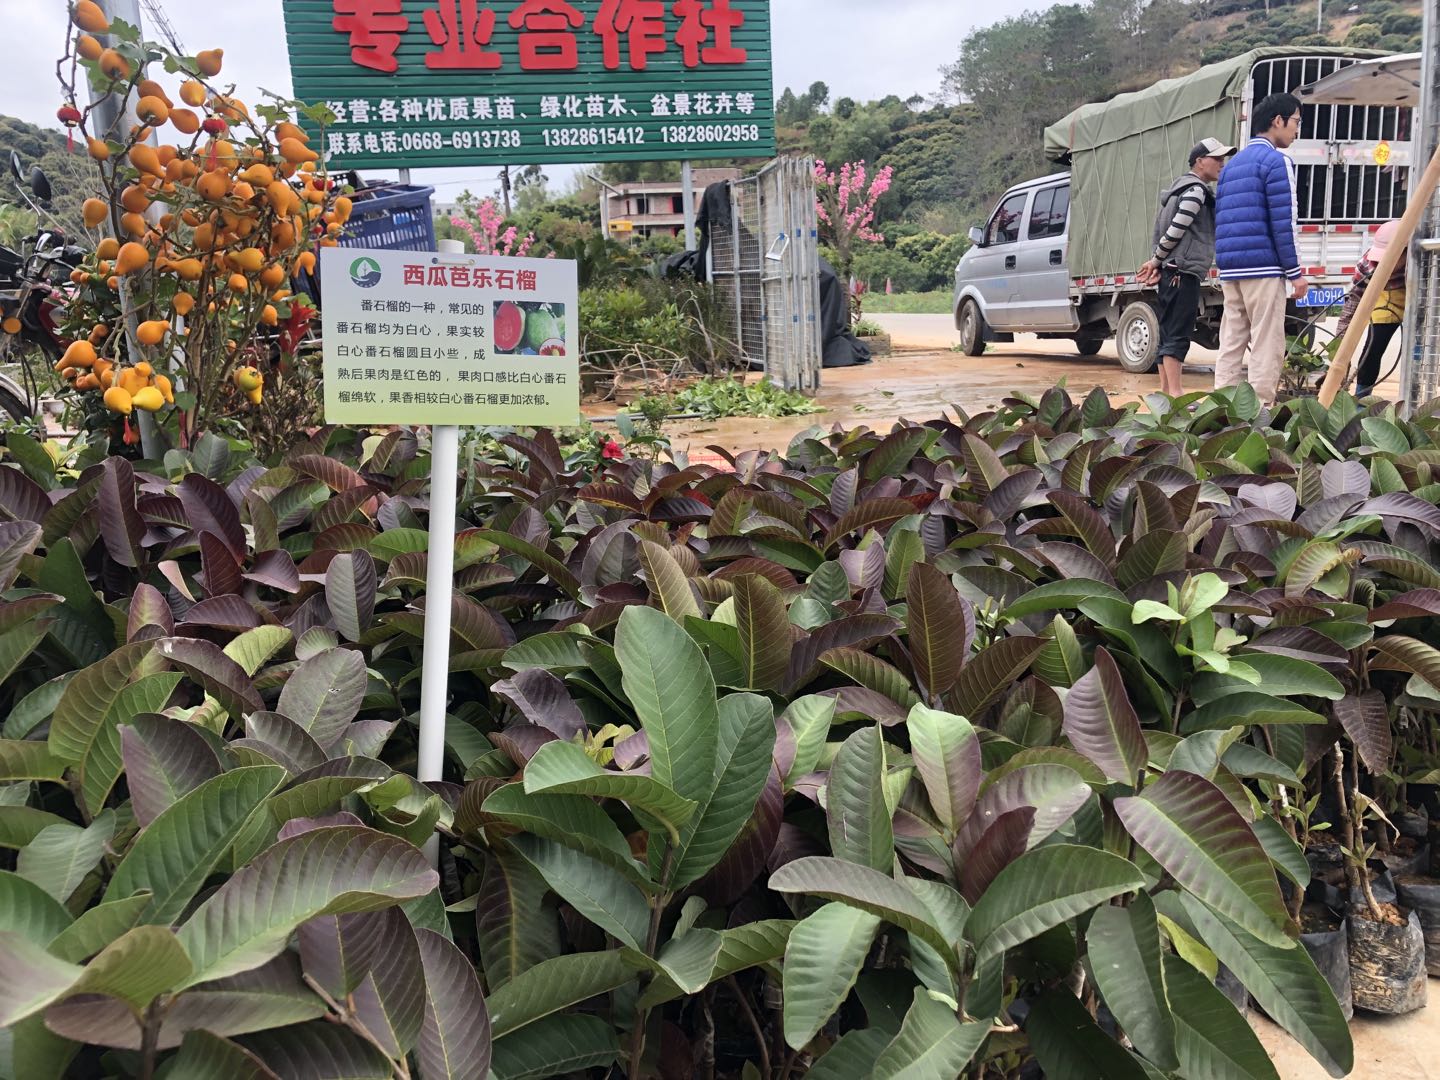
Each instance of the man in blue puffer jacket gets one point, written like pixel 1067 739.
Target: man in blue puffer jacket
pixel 1256 250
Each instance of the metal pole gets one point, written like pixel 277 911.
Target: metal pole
pixel 687 196
pixel 736 265
pixel 439 586
pixel 439 581
pixel 607 190
pixel 812 263
pixel 1424 262
pixel 115 118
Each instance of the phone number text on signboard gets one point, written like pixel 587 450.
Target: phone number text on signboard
pixel 513 139
pixel 459 140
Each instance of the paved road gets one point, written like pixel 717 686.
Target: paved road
pixel 935 332
pixel 919 331
pixel 938 332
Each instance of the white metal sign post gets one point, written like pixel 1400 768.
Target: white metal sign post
pixel 439 573
pixel 447 340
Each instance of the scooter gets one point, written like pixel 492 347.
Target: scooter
pixel 34 284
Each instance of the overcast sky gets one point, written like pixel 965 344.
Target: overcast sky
pixel 860 48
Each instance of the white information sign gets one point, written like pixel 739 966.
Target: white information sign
pixel 469 340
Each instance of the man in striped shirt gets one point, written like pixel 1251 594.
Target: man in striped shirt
pixel 1184 251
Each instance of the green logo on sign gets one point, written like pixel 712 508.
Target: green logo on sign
pixel 365 272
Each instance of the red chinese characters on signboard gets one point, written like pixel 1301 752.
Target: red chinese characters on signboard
pixel 631 32
pixel 462 277
pixel 640 22
pixel 547 35
pixel 374 27
pixel 462 35
pixel 701 21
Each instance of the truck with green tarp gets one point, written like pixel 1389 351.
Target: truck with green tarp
pixel 1059 254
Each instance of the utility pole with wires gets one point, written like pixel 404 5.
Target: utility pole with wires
pixel 505 188
pixel 115 116
pixel 157 16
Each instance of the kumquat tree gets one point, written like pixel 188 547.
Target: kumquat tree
pixel 207 209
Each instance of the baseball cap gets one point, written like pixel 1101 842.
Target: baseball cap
pixel 1210 148
pixel 1381 240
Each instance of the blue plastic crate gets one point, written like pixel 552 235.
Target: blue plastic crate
pixel 400 219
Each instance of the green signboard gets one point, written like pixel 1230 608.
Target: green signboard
pixel 425 83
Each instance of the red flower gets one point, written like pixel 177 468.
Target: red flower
pixel 612 451
pixel 294 329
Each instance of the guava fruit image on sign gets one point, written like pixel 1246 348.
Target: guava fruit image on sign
pixel 529 328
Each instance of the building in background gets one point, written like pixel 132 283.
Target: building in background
pixel 641 210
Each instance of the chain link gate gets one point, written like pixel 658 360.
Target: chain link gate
pixel 766 269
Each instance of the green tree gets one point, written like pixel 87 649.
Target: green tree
pixel 1363 35
pixel 639 172
pixel 791 109
pixel 16 224
pixel 530 185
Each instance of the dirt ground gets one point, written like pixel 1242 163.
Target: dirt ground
pixel 925 378
pixel 1386 1047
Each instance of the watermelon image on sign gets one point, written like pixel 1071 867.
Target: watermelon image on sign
pixel 509 327
pixel 529 328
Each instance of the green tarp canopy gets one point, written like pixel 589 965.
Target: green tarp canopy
pixel 1123 152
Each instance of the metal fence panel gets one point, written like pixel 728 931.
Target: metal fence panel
pixel 767 266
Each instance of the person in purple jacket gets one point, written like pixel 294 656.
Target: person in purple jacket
pixel 1256 249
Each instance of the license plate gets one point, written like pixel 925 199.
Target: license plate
pixel 1322 298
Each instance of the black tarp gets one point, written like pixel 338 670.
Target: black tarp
pixel 839 345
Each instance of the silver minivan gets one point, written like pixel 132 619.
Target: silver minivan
pixel 1015 278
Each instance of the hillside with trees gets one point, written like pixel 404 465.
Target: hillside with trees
pixel 955 152
pixel 69 174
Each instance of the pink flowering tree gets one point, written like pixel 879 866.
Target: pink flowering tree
pixel 483 223
pixel 846 201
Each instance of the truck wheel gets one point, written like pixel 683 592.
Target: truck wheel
pixel 971 325
pixel 1088 346
pixel 1137 338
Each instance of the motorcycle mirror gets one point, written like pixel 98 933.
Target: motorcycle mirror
pixel 40 184
pixel 15 169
